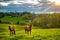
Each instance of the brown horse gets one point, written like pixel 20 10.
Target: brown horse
pixel 28 28
pixel 12 30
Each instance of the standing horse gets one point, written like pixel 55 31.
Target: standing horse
pixel 12 30
pixel 28 28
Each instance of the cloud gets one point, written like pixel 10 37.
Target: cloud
pixel 27 5
pixel 4 4
pixel 7 2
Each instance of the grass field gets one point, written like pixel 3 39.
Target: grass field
pixel 37 33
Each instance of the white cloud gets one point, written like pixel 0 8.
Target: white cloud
pixel 4 4
pixel 15 2
pixel 9 2
pixel 33 2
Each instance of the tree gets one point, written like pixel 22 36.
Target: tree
pixel 1 14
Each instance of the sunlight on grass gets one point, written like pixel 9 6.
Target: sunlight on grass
pixel 37 34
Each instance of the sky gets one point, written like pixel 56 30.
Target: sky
pixel 36 6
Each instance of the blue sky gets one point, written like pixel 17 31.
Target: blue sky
pixel 37 6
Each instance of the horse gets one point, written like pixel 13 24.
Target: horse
pixel 12 30
pixel 28 28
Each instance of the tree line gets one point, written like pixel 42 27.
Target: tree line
pixel 39 20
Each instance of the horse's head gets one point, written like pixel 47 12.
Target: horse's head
pixel 11 27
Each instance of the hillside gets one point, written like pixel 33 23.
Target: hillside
pixel 40 20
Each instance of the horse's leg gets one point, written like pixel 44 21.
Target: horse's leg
pixel 10 32
pixel 14 32
pixel 27 32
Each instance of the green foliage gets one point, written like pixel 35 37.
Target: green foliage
pixel 47 20
pixel 40 20
pixel 1 15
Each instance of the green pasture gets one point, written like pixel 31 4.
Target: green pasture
pixel 36 34
pixel 11 19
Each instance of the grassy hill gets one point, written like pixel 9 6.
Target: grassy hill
pixel 11 19
pixel 14 20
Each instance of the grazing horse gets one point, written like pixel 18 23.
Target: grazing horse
pixel 28 28
pixel 12 30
